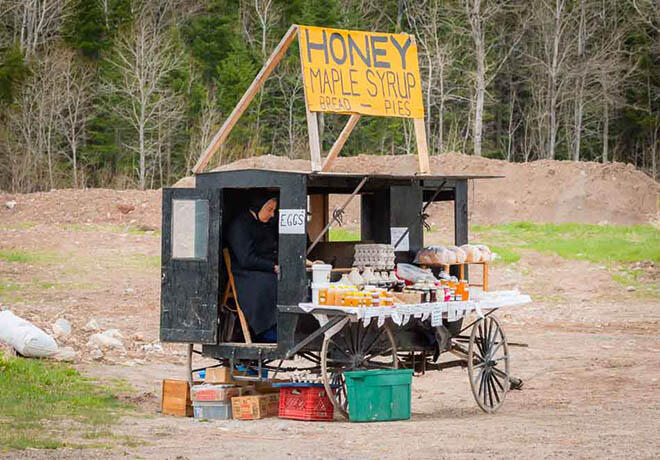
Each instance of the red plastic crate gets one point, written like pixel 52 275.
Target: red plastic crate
pixel 305 403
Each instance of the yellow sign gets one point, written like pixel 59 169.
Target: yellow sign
pixel 369 73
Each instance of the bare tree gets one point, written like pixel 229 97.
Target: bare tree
pixel 426 20
pixel 144 57
pixel 480 15
pixel 550 54
pixel 76 95
pixel 204 129
pixel 37 22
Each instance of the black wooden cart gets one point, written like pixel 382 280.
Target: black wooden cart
pixel 194 276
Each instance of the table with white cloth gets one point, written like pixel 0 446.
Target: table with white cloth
pixel 481 304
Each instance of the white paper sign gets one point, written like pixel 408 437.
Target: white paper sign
pixel 395 234
pixel 292 221
pixel 436 318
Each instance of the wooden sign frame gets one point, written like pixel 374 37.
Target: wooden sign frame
pixel 312 119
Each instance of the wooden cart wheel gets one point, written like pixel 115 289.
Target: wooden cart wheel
pixel 488 364
pixel 355 348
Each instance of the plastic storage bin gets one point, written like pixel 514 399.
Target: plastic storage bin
pixel 378 395
pixel 305 401
pixel 212 410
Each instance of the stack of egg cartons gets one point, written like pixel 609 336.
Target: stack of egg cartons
pixel 377 256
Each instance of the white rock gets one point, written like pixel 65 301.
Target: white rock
pixel 61 327
pixel 114 333
pixel 103 340
pixel 153 348
pixel 630 288
pixel 10 204
pixel 96 354
pixel 66 354
pixel 91 326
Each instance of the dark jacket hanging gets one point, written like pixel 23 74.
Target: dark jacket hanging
pixel 253 249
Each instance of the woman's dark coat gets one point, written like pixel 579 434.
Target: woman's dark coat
pixel 253 250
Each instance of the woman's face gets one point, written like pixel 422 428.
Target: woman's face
pixel 267 211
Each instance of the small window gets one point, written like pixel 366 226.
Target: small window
pixel 190 229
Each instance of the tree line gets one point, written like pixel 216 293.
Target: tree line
pixel 128 93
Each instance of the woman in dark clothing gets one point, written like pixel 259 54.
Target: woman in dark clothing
pixel 253 249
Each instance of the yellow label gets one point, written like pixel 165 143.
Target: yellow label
pixel 369 73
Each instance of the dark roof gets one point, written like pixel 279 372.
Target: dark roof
pixel 342 175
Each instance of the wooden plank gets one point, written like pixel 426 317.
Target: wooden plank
pixel 249 94
pixel 461 220
pixel 312 123
pixel 314 140
pixel 422 146
pixel 341 140
pixel 319 209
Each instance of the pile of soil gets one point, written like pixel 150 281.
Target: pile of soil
pixel 539 191
pixel 135 208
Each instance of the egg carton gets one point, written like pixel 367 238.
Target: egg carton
pixel 379 256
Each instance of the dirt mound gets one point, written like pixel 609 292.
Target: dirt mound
pixel 540 191
pixel 91 206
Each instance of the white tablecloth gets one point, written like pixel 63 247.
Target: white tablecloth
pixel 437 311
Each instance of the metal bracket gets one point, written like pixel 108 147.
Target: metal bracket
pixel 332 322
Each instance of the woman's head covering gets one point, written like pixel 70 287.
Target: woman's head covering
pixel 258 201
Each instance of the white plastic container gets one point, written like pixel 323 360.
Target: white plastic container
pixel 212 410
pixel 321 273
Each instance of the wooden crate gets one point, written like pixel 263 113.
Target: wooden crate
pixel 222 375
pixel 175 398
pixel 255 407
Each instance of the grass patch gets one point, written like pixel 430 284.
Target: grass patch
pixel 27 257
pixel 110 228
pixel 40 401
pixel 506 255
pixel 630 276
pixel 19 226
pixel 344 234
pixel 142 261
pixel 595 243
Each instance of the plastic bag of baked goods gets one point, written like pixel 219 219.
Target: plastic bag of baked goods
pixel 473 254
pixel 439 257
pixel 461 256
pixel 424 256
pixel 486 254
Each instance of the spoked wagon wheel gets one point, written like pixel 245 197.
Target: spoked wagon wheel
pixel 488 364
pixel 355 348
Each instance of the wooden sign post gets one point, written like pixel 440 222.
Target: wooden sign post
pixel 347 72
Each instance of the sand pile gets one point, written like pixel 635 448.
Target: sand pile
pixel 540 191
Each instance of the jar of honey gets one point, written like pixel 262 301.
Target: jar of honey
pixel 323 296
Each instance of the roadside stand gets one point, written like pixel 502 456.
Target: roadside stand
pixel 355 319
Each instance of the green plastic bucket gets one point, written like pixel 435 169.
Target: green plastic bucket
pixel 378 395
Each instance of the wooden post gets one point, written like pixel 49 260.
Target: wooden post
pixel 461 220
pixel 341 140
pixel 249 94
pixel 312 122
pixel 422 147
pixel 314 140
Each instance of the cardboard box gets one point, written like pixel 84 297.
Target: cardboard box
pixel 222 375
pixel 175 399
pixel 255 407
pixel 210 392
pixel 267 387
pixel 407 297
pixel 248 390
